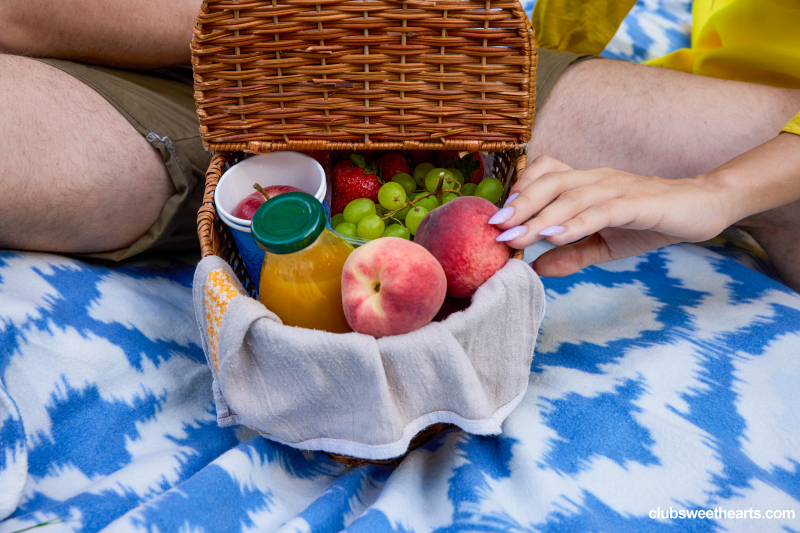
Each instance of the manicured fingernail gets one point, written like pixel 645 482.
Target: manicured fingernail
pixel 511 198
pixel 552 230
pixel 502 215
pixel 513 233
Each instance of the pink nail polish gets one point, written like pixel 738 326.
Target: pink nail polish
pixel 511 198
pixel 502 215
pixel 552 231
pixel 513 233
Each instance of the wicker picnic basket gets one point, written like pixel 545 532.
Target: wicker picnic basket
pixel 359 75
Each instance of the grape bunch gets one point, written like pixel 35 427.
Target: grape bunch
pixel 407 197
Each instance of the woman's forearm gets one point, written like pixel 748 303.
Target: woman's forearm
pixel 140 34
pixel 762 179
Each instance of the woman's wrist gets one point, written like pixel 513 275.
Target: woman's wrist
pixel 765 178
pixel 729 189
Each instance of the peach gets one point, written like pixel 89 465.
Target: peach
pixel 459 236
pixel 250 204
pixel 391 286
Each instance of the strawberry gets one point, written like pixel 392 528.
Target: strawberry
pixel 350 181
pixel 391 164
pixel 420 156
pixel 446 158
pixel 471 165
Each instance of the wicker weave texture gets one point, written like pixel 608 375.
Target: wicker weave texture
pixel 385 74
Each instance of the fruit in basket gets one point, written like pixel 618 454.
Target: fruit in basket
pixel 392 164
pixel 352 180
pixel 391 286
pixel 420 171
pixel 366 155
pixel 358 209
pixel 396 230
pixel 468 189
pixel 491 189
pixel 401 215
pixel 406 181
pixel 448 197
pixel 471 165
pixel 457 174
pixel 436 175
pixel 336 220
pixel 370 227
pixel 420 156
pixel 392 196
pixel 414 217
pixel 250 204
pixel 460 237
pixel 446 158
pixel 347 228
pixel 429 203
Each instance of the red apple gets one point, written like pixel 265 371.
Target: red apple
pixel 459 236
pixel 391 286
pixel 247 207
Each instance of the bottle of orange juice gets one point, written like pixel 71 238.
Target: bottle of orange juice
pixel 301 278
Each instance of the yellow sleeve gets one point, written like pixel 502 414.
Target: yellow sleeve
pixel 578 26
pixel 793 126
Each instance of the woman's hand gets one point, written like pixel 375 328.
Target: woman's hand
pixel 621 214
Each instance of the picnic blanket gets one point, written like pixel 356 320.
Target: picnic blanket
pixel 662 382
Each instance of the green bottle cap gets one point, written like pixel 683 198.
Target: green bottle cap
pixel 287 223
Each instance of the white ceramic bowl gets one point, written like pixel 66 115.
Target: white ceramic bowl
pixel 277 168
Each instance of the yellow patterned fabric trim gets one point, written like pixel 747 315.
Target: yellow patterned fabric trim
pixel 793 126
pixel 220 291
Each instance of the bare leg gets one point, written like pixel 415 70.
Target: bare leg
pixel 141 34
pixel 653 121
pixel 76 176
pixel 778 233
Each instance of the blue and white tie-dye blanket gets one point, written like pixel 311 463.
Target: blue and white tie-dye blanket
pixel 666 381
pixel 662 386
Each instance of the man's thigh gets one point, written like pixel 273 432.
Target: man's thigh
pixel 653 121
pixel 97 159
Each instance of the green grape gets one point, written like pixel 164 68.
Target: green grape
pixel 468 189
pixel 400 215
pixel 371 227
pixel 358 209
pixel 421 171
pixel 414 218
pixel 430 203
pixel 406 181
pixel 396 230
pixel 457 174
pixel 490 188
pixel 336 220
pixel 392 195
pixel 433 177
pixel 448 197
pixel 347 228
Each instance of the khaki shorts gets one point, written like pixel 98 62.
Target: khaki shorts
pixel 160 105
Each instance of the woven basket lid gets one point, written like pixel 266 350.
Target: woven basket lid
pixel 374 74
